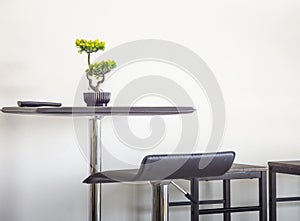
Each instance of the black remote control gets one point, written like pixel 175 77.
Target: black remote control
pixel 37 104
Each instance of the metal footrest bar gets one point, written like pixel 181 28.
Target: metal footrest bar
pixel 287 199
pixel 202 202
pixel 230 210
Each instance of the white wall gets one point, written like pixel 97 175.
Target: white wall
pixel 251 46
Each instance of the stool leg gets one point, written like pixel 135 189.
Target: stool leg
pixel 227 199
pixel 195 194
pixel 263 197
pixel 272 195
pixel 160 201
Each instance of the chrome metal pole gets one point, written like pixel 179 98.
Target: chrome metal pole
pixel 179 188
pixel 95 166
pixel 160 201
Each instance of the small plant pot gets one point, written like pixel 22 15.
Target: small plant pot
pixel 96 99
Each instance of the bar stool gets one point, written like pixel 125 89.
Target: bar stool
pixel 236 172
pixel 160 170
pixel 283 167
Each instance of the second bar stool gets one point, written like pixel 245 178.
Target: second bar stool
pixel 283 167
pixel 160 170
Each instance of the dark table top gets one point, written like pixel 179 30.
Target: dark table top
pixel 98 111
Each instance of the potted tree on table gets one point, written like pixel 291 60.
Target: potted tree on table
pixel 95 73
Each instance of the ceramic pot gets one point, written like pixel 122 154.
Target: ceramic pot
pixel 96 99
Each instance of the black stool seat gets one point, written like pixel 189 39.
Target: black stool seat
pixel 289 167
pixel 169 167
pixel 238 167
pixel 238 171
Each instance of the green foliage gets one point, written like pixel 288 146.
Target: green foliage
pixel 98 69
pixel 89 46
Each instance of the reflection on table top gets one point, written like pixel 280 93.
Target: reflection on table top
pixel 98 111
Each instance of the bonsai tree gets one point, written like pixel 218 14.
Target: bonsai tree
pixel 96 70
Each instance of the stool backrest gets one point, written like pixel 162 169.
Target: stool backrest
pixel 185 166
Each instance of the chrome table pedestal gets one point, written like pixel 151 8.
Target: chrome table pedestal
pixel 95 166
